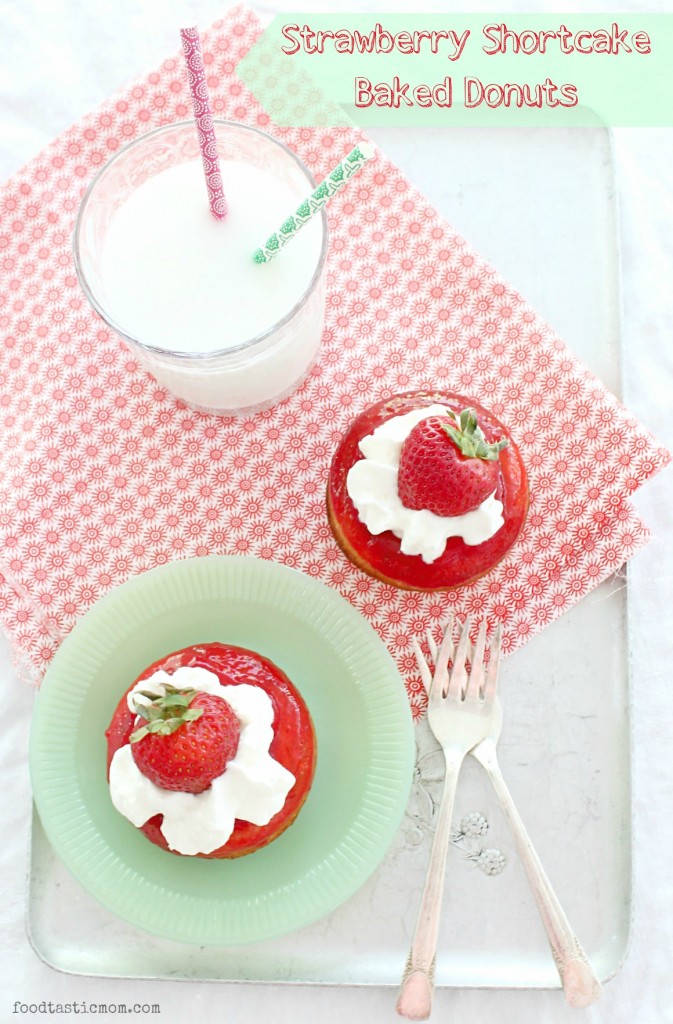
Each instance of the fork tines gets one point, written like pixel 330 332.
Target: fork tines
pixel 472 666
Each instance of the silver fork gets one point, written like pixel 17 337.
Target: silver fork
pixel 580 985
pixel 459 716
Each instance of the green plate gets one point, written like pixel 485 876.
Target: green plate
pixel 364 740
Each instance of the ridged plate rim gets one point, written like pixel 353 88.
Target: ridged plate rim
pixel 120 880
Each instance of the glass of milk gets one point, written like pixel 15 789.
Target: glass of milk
pixel 221 332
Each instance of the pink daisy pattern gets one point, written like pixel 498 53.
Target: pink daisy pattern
pixel 104 475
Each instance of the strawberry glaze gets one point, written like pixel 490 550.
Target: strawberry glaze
pixel 380 555
pixel 293 743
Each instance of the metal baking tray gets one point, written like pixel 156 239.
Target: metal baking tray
pixel 540 205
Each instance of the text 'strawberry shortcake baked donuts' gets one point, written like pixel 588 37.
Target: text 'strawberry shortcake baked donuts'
pixel 427 491
pixel 211 752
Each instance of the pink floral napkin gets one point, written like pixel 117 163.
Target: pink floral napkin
pixel 104 475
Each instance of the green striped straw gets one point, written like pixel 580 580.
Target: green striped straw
pixel 333 183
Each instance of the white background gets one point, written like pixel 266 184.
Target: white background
pixel 60 59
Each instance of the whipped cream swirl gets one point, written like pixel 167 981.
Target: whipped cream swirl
pixel 372 486
pixel 252 787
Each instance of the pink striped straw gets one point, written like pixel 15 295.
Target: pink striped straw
pixel 191 46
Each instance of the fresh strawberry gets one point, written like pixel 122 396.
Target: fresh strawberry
pixel 447 466
pixel 185 738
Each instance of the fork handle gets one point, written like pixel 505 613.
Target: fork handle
pixel 580 985
pixel 416 991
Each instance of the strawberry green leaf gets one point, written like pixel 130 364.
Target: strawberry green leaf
pixel 469 438
pixel 165 712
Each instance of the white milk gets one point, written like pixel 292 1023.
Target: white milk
pixel 178 280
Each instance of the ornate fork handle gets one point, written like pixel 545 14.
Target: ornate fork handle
pixel 415 998
pixel 580 985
